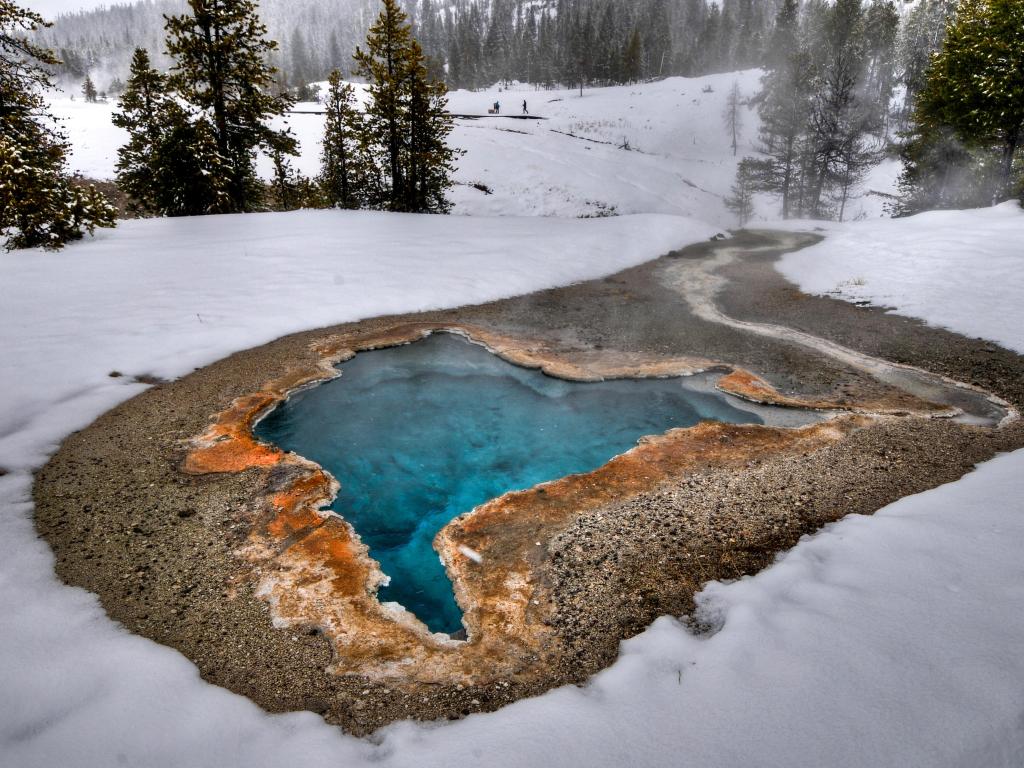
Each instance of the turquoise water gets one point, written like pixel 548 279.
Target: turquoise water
pixel 419 434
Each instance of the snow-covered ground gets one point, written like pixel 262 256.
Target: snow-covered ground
pixel 680 160
pixel 891 640
pixel 962 270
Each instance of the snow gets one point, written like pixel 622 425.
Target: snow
pixel 680 161
pixel 163 296
pixel 890 640
pixel 962 270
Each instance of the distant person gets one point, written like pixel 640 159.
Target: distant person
pixel 525 110
pixel 497 107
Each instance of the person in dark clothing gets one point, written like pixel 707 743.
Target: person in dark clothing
pixel 497 107
pixel 525 110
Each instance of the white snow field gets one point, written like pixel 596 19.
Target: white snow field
pixel 680 161
pixel 889 640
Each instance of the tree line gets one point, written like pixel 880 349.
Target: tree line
pixel 195 131
pixel 467 43
pixel 591 42
pixel 828 112
pixel 824 106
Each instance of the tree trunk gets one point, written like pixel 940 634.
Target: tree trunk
pixel 1009 151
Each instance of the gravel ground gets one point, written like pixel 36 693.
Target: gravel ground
pixel 157 545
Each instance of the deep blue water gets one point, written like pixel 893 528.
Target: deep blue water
pixel 419 434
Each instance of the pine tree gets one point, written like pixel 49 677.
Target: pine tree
pixel 287 185
pixel 301 67
pixel 386 65
pixel 170 165
pixel 221 69
pixel 343 173
pixel 975 85
pixel 40 204
pixel 741 198
pixel 732 115
pixel 89 90
pixel 839 116
pixel 142 112
pixel 882 22
pixel 405 126
pixel 632 58
pixel 922 35
pixel 431 161
pixel 785 111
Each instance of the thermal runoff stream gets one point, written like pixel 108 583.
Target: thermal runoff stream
pixel 422 433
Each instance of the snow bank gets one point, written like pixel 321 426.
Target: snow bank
pixel 961 270
pixel 162 296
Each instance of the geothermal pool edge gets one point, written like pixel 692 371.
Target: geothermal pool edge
pixel 174 557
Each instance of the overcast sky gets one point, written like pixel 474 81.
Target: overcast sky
pixel 50 8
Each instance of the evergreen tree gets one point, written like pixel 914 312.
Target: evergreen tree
pixel 741 198
pixel 975 86
pixel 785 111
pixel 732 115
pixel 40 204
pixel 287 185
pixel 839 116
pixel 632 58
pixel 302 66
pixel 89 90
pixel 142 112
pixel 405 125
pixel 881 27
pixel 386 64
pixel 343 172
pixel 170 165
pixel 921 36
pixel 221 69
pixel 431 161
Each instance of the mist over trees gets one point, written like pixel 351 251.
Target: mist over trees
pixel 846 83
pixel 467 43
pixel 825 103
pixel 967 125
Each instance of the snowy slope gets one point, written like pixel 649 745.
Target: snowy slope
pixel 942 267
pixel 680 160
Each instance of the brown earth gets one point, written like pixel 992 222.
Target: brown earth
pixel 201 538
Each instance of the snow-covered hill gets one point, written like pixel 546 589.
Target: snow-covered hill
pixel 573 163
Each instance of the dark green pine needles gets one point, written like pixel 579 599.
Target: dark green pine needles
pixel 405 126
pixel 40 203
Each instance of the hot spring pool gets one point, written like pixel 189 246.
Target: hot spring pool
pixel 419 434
